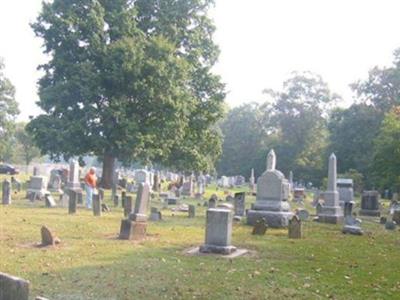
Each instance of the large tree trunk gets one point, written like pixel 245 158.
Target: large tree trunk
pixel 108 170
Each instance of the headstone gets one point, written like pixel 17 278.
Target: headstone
pixel 72 201
pixel 105 208
pixel 390 225
pixel 128 205
pixel 79 196
pixel 272 197
pixel 13 288
pixel 252 181
pixel 192 211
pixel 73 178
pixel 134 228
pixel 260 227
pixel 331 212
pixel 218 232
pixel 49 200
pixel 123 198
pixel 64 199
pixel 142 176
pixel 370 204
pixel 55 183
pixel 345 190
pixel 396 216
pixel 299 194
pixel 383 220
pixel 6 192
pixel 172 200
pixel 155 215
pixel 240 202
pixel 187 188
pixel 351 224
pixel 303 214
pixel 142 202
pixel 295 228
pixel 96 205
pixel 36 171
pixel 291 184
pixel 156 182
pixel 212 203
pixel 37 186
pixel 48 238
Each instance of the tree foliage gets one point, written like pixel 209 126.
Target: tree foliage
pixel 129 80
pixel 8 112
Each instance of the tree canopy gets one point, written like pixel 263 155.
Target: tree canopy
pixel 129 81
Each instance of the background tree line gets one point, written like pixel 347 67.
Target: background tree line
pixel 303 123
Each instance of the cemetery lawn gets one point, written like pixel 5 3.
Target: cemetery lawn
pixel 91 263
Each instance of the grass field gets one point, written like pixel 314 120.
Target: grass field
pixel 91 263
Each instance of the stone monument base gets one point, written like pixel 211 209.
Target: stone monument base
pixel 217 249
pixel 131 230
pixel 371 213
pixel 331 215
pixel 275 219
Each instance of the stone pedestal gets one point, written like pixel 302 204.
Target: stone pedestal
pixel 218 232
pixel 73 178
pixel 131 230
pixel 370 204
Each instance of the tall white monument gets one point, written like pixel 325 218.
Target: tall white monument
pixel 331 212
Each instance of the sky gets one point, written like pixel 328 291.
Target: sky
pixel 261 42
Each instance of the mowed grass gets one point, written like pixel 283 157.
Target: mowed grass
pixel 91 263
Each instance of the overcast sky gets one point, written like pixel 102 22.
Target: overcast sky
pixel 261 42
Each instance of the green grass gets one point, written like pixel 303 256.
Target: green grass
pixel 90 263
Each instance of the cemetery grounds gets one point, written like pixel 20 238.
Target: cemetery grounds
pixel 91 263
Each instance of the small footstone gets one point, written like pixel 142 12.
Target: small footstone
pixel 260 227
pixel 48 238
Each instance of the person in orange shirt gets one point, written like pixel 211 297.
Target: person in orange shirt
pixel 90 183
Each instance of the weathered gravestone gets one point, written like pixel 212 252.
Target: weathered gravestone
pixel 370 204
pixel 155 214
pixel 295 229
pixel 187 188
pixel 96 205
pixel 37 187
pixel 252 182
pixel 383 220
pixel 303 214
pixel 351 224
pixel 123 198
pixel 345 190
pixel 390 225
pixel 239 203
pixel 260 227
pixel 272 197
pixel 396 217
pixel 48 237
pixel 134 228
pixel 156 182
pixel 49 200
pixel 73 177
pixel 212 203
pixel 6 192
pixel 192 211
pixel 55 183
pixel 114 187
pixel 331 212
pixel 13 288
pixel 218 232
pixel 36 171
pixel 72 201
pixel 128 207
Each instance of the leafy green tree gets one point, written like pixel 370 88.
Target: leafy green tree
pixel 386 163
pixel 26 146
pixel 244 141
pixel 129 80
pixel 382 88
pixel 8 112
pixel 297 117
pixel 352 134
